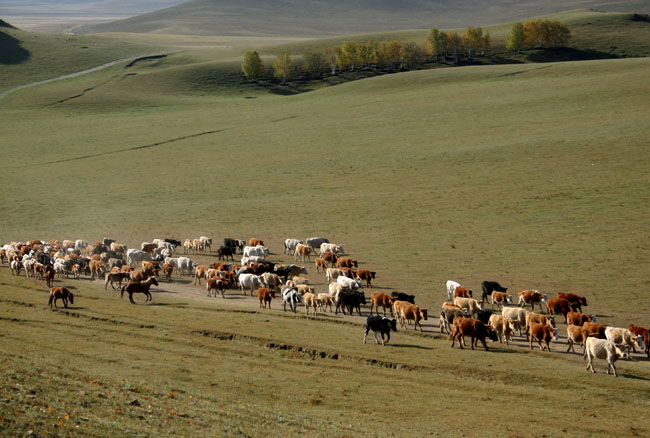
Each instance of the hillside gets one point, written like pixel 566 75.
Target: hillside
pixel 335 17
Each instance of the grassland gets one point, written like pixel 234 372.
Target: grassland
pixel 535 175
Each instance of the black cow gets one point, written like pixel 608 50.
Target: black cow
pixel 484 316
pixel 380 324
pixel 99 249
pixel 225 251
pixel 174 242
pixel 234 244
pixel 401 296
pixel 350 300
pixel 489 287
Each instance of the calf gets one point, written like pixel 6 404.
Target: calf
pixel 536 318
pixel 216 285
pixel 473 328
pixel 462 292
pixel 265 296
pixel 382 325
pixel 642 331
pixel 542 332
pixel 501 298
pixel 324 300
pixel 380 298
pixel 346 262
pixel 447 316
pixel 311 301
pixel 321 265
pixel 470 304
pixel 602 349
pixel 489 287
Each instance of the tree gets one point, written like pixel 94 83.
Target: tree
pixel 535 33
pixel 412 55
pixel 368 52
pixel 436 43
pixel 473 40
pixel 252 67
pixel 330 57
pixel 454 44
pixel 487 42
pixel 349 55
pixel 390 54
pixel 558 34
pixel 282 67
pixel 517 38
pixel 313 64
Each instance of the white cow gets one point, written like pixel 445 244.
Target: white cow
pixel 292 297
pixel 316 242
pixel 602 349
pixel 349 283
pixel 135 257
pixel 256 251
pixel 206 242
pixel 272 280
pixel 331 247
pixel 518 314
pixel 80 245
pixel 470 304
pixel 624 338
pixel 251 259
pixel 451 289
pixel 184 264
pixel 333 273
pixel 290 245
pixel 251 282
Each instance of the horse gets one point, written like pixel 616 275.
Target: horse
pixel 115 277
pixel 60 293
pixel 142 287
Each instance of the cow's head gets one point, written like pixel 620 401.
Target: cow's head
pixel 393 324
pixel 640 343
pixel 424 314
pixel 551 320
pixel 554 332
pixel 509 299
pixel 491 334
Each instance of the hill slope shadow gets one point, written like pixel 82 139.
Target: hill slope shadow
pixel 10 50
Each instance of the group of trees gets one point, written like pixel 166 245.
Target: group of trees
pixel 397 56
pixel 451 45
pixel 537 34
pixel 351 55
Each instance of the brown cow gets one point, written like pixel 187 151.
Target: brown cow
pixel 311 301
pixel 61 293
pixel 558 306
pixel 542 332
pixel 149 247
pixel 642 331
pixel 366 275
pixel 215 284
pixel 49 275
pixel 126 268
pixel 412 312
pixel 149 266
pixel 463 292
pixel 346 262
pixel 594 330
pixel 330 257
pixel 97 267
pixel 168 270
pixel 255 242
pixel 265 296
pixel 321 265
pixel 576 318
pixel 140 274
pixel 577 300
pixel 532 297
pixel 302 251
pixel 473 328
pixel 574 334
pixel 380 298
pixel 199 273
pixel 501 298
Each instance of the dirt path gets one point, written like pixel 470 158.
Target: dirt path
pixel 68 76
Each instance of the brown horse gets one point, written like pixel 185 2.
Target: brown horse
pixel 60 293
pixel 142 287
pixel 116 277
pixel 49 275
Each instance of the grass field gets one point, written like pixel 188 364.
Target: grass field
pixel 533 175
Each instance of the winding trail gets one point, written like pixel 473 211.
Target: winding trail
pixel 71 75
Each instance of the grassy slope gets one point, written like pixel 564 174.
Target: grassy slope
pixel 120 369
pixel 533 175
pixel 47 56
pixel 334 17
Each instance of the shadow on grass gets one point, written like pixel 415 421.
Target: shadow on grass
pixel 635 377
pixel 418 347
pixel 567 54
pixel 10 50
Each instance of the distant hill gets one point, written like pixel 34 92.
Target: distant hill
pixel 5 24
pixel 310 18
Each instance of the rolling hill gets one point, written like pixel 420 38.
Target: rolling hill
pixel 336 17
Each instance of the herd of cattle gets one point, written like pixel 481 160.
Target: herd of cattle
pixel 460 317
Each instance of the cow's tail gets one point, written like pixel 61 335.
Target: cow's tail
pixel 51 299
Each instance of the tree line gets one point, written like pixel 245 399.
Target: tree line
pixel 392 56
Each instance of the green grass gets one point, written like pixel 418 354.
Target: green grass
pixel 29 57
pixel 179 366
